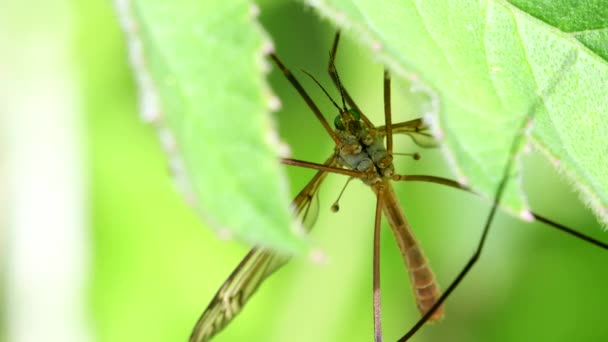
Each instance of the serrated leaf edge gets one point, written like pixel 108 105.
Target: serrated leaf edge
pixel 151 112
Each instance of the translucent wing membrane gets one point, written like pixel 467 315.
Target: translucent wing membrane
pixel 306 203
pixel 257 265
pixel 238 288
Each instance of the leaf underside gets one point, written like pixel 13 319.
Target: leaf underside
pixel 491 63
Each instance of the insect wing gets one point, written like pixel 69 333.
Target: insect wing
pixel 257 265
pixel 236 290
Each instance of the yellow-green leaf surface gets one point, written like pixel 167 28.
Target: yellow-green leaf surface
pixel 489 64
pixel 200 67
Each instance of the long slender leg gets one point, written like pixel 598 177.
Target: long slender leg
pixel 497 197
pixel 570 231
pixel 331 69
pixel 291 78
pixel 377 299
pixel 387 112
pixel 432 179
pixel 482 241
pixel 416 129
pixel 546 221
pixel 410 126
pixel 325 167
pixel 426 289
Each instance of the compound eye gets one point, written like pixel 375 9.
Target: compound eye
pixel 354 113
pixel 338 123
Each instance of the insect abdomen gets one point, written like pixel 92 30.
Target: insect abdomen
pixel 426 289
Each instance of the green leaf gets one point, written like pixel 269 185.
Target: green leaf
pixel 489 63
pixel 200 67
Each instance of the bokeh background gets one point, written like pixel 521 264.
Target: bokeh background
pixel 97 244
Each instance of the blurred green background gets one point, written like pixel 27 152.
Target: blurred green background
pixel 154 267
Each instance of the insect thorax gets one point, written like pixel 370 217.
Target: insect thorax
pixel 362 149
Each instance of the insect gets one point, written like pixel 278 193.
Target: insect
pixel 359 153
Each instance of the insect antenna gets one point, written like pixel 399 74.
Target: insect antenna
pixel 325 91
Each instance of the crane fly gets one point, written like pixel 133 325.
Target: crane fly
pixel 360 152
